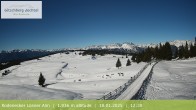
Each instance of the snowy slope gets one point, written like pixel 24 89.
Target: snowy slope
pixel 87 78
pixel 91 78
pixel 24 92
pixel 173 80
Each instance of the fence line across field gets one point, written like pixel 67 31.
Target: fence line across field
pixel 118 91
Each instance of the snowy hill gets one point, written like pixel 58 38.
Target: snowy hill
pixel 87 78
pixel 173 80
pixel 83 77
pixel 27 92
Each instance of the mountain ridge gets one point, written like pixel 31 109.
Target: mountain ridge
pixel 132 46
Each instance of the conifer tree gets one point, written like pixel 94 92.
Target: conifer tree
pixel 128 63
pixel 160 51
pixel 133 57
pixel 176 53
pixel 156 52
pixel 41 80
pixel 181 52
pixel 195 42
pixel 186 51
pixel 168 51
pixel 191 50
pixel 118 63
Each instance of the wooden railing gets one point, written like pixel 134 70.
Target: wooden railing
pixel 118 91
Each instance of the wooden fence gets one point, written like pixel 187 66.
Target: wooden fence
pixel 118 91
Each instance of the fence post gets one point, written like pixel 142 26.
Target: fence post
pixel 110 94
pixel 116 91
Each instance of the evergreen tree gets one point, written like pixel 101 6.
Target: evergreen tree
pixel 194 51
pixel 128 63
pixel 146 56
pixel 160 52
pixel 191 50
pixel 168 51
pixel 133 58
pixel 176 53
pixel 93 54
pixel 41 80
pixel 186 51
pixel 138 58
pixel 195 42
pixel 118 63
pixel 181 52
pixel 126 56
pixel 156 52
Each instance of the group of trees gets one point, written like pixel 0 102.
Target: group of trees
pixel 102 52
pixel 118 63
pixel 186 51
pixel 165 52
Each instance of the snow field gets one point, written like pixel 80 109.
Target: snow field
pixel 173 80
pixel 88 78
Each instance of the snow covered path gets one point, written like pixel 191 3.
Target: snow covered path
pixel 135 86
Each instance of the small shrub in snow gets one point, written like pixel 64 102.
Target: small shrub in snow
pixel 6 72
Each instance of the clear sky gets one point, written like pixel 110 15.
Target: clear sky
pixel 80 23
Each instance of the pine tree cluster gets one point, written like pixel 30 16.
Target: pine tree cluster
pixel 118 63
pixel 186 51
pixel 164 52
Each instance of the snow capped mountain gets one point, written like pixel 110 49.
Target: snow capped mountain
pixel 133 47
pixel 179 43
pixel 112 46
pixel 147 45
pixel 123 46
pixel 128 45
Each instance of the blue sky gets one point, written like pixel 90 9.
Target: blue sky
pixel 80 23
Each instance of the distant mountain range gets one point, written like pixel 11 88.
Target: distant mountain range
pixel 6 56
pixel 138 47
pixel 27 54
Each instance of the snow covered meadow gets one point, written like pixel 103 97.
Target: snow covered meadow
pixel 173 80
pixel 68 76
pixel 73 76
